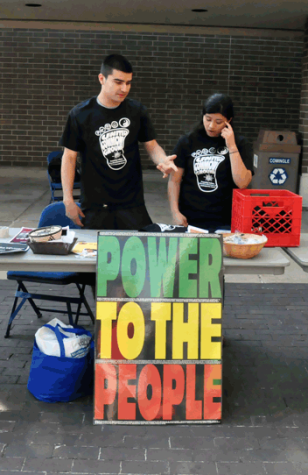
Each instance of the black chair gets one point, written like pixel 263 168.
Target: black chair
pixel 54 176
pixel 52 214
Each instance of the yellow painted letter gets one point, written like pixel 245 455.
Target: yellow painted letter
pixel 160 313
pixel 130 348
pixel 210 350
pixel 106 312
pixel 185 332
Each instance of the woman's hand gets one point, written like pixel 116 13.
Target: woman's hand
pixel 180 219
pixel 240 174
pixel 228 134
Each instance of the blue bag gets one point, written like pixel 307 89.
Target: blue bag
pixel 61 379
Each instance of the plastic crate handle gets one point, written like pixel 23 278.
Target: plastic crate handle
pixel 272 210
pixel 259 194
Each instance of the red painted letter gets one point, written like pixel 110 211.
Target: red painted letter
pixel 149 376
pixel 105 375
pixel 126 410
pixel 212 392
pixel 193 407
pixel 172 373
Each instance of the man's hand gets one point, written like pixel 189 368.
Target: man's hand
pixel 167 166
pixel 180 219
pixel 73 212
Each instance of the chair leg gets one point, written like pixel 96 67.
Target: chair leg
pixel 70 315
pixel 35 308
pixel 81 289
pixel 12 316
pixel 81 295
pixel 14 312
pixel 78 312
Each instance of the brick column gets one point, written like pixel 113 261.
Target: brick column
pixel 303 121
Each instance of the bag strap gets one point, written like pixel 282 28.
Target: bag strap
pixel 60 336
pixel 76 330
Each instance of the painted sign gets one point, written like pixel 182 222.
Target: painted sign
pixel 278 176
pixel 158 328
pixel 279 161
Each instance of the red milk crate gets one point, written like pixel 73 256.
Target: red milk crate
pixel 275 213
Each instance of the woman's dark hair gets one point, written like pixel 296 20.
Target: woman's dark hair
pixel 217 103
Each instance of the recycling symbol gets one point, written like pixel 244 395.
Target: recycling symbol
pixel 278 176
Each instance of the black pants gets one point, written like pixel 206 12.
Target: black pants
pixel 109 217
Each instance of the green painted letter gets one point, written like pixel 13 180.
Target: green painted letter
pixel 162 267
pixel 108 263
pixel 133 251
pixel 187 285
pixel 209 272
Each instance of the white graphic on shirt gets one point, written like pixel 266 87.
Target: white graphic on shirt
pixel 206 162
pixel 112 138
pixel 168 227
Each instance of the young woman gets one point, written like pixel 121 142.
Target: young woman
pixel 211 162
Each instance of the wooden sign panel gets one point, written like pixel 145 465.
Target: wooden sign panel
pixel 158 328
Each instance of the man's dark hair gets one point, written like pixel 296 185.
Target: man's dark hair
pixel 115 61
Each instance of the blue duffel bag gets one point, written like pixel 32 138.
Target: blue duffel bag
pixel 59 378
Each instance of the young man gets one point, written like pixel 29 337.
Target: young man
pixel 105 130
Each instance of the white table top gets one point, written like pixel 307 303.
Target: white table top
pixel 300 254
pixel 269 261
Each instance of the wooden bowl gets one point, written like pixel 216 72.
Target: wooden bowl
pixel 48 233
pixel 242 250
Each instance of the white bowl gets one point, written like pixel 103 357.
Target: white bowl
pixel 48 233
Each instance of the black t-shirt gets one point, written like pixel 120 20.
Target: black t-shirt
pixel 207 183
pixel 107 140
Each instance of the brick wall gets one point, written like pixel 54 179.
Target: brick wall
pixel 44 73
pixel 303 122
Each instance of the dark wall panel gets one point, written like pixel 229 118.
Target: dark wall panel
pixel 44 73
pixel 303 123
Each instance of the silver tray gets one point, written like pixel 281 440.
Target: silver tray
pixel 11 247
pixel 52 248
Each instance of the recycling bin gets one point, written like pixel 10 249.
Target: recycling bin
pixel 276 161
